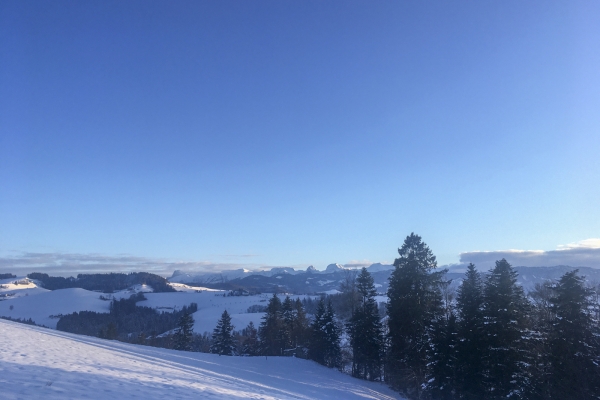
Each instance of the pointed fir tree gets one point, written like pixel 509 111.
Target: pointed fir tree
pixel 324 345
pixel 251 346
pixel 270 330
pixel 288 316
pixel 365 331
pixel 316 347
pixel 223 342
pixel 470 346
pixel 299 334
pixel 414 304
pixel 505 312
pixel 442 356
pixel 332 338
pixel 573 341
pixel 182 340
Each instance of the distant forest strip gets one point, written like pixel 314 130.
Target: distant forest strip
pixel 107 283
pixel 28 321
pixel 124 320
pixel 7 276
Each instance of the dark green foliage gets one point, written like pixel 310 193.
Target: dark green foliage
pixel 365 331
pixel 126 317
pixel 324 345
pixel 442 357
pixel 299 330
pixel 414 304
pixel 505 313
pixel 251 345
pixel 271 337
pixel 284 328
pixel 288 321
pixel 182 339
pixel 107 283
pixel 573 341
pixel 223 343
pixel 7 276
pixel 471 346
pixel 294 324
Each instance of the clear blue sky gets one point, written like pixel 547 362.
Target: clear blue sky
pixel 296 133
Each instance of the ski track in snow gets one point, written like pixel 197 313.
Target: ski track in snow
pixel 42 363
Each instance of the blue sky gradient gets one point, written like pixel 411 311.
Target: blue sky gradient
pixel 297 133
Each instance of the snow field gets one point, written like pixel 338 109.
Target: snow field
pixel 41 363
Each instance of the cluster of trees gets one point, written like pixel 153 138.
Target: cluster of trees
pixel 493 341
pixel 107 283
pixel 489 341
pixel 126 321
pixel 7 276
pixel 285 330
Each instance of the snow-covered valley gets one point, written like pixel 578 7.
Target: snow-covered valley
pixel 42 363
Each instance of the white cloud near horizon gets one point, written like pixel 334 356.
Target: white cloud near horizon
pixel 71 264
pixel 585 253
pixel 65 264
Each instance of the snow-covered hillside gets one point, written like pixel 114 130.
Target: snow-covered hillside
pixel 40 363
pixel 28 301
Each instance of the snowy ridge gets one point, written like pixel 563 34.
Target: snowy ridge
pixel 40 363
pixel 228 275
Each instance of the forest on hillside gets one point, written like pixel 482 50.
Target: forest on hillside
pixel 487 339
pixel 106 283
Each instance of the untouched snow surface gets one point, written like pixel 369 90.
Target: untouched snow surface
pixel 41 363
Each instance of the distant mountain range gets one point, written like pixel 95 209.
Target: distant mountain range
pixel 286 279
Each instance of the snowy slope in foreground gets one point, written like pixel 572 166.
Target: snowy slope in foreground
pixel 41 363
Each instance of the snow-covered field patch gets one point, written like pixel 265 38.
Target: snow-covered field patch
pixel 39 363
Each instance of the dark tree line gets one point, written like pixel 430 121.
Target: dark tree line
pixel 107 283
pixel 7 276
pixel 126 321
pixel 285 330
pixel 493 342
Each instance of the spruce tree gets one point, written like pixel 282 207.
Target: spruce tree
pixel 316 346
pixel 324 345
pixel 270 330
pixel 184 333
pixel 573 341
pixel 332 338
pixel 505 312
pixel 442 358
pixel 364 329
pixel 288 316
pixel 223 343
pixel 299 334
pixel 470 346
pixel 251 346
pixel 414 304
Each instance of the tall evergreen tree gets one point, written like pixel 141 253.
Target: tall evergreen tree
pixel 414 304
pixel 251 346
pixel 364 329
pixel 270 330
pixel 288 316
pixel 223 343
pixel 299 334
pixel 505 312
pixel 573 341
pixel 324 345
pixel 442 358
pixel 470 347
pixel 184 333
